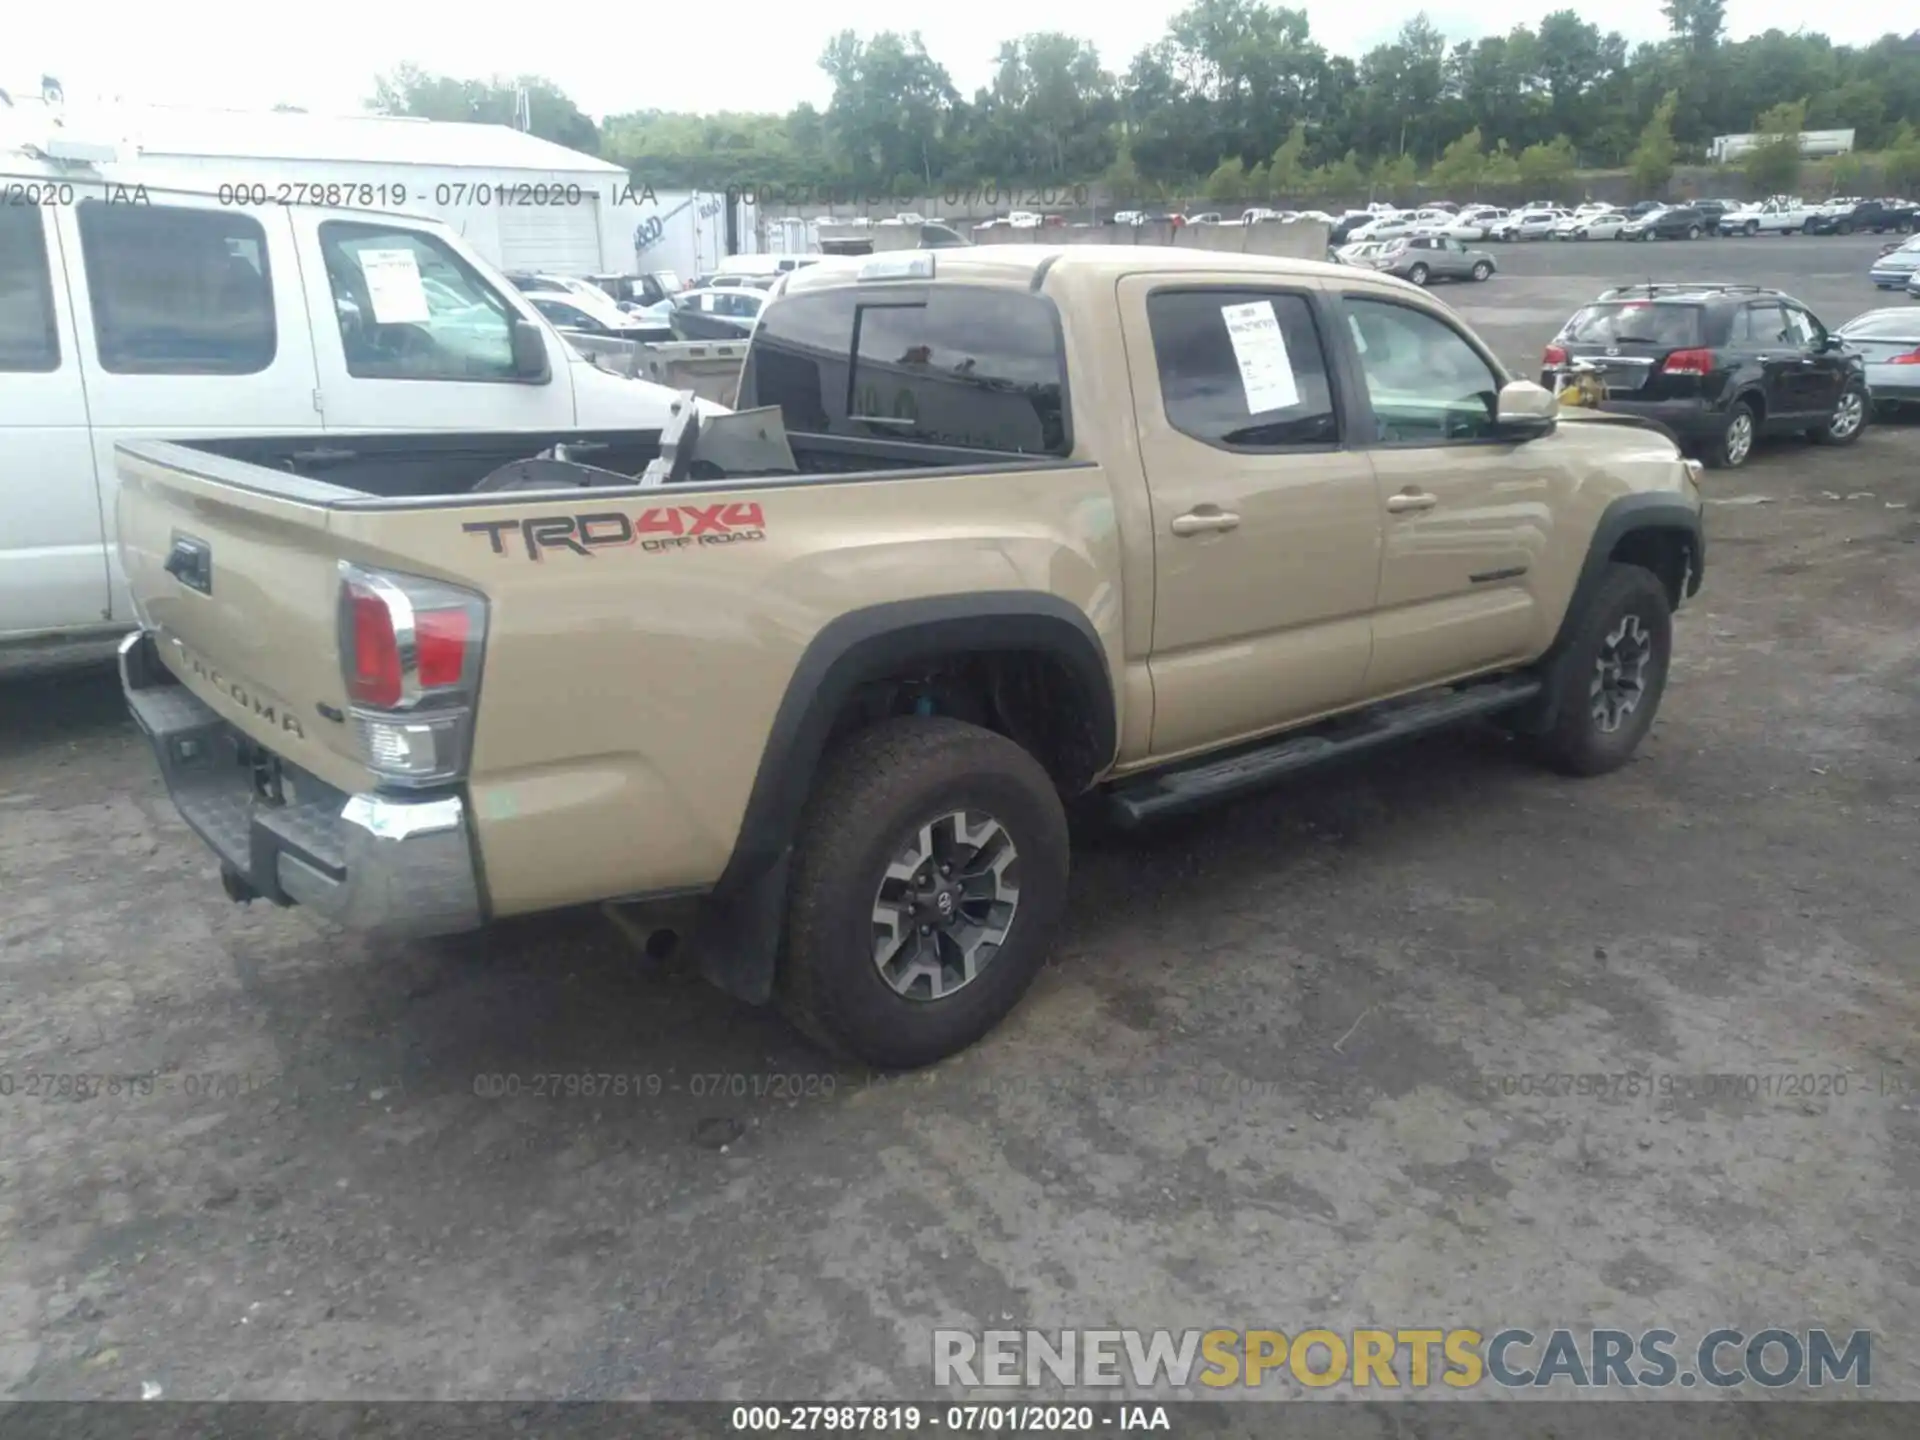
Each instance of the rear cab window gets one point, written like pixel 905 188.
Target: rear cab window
pixel 29 335
pixel 961 365
pixel 1637 322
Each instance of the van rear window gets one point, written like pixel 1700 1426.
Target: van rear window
pixel 1636 322
pixel 956 365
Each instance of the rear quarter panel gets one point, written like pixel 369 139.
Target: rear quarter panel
pixel 628 692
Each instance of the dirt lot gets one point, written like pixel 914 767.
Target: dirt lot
pixel 1281 1073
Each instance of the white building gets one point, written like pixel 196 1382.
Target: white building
pixel 523 202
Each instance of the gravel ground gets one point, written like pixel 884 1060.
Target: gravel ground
pixel 1278 1074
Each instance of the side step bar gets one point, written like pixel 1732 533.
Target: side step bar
pixel 1134 803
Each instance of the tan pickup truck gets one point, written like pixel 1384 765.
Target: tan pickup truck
pixel 1121 527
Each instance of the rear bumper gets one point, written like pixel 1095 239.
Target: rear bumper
pixel 1688 419
pixel 394 867
pixel 1897 383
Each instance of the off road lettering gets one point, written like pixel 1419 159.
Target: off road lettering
pixel 656 529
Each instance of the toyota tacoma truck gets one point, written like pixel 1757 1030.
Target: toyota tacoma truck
pixel 1122 529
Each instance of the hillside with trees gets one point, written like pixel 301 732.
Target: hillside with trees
pixel 1238 100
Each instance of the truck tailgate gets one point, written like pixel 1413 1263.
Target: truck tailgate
pixel 233 568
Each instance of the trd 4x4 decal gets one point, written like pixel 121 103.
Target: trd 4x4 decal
pixel 656 530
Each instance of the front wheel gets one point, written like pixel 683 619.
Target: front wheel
pixel 1750 229
pixel 1418 274
pixel 1849 418
pixel 1607 686
pixel 1481 270
pixel 1693 232
pixel 928 881
pixel 1843 228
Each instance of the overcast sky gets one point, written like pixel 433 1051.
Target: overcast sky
pixel 618 57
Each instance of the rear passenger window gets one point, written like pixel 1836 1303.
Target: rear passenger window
pixel 941 365
pixel 28 339
pixel 177 291
pixel 1242 369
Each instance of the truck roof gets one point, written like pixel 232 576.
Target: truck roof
pixel 1016 266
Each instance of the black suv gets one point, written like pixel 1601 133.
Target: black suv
pixel 1879 216
pixel 1718 365
pixel 1682 222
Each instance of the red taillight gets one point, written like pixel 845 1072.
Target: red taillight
pixel 1553 355
pixel 440 640
pixel 374 666
pixel 1689 362
pixel 1909 359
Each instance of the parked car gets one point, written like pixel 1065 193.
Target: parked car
pixel 1676 222
pixel 1879 216
pixel 1527 225
pixel 1207 217
pixel 1892 269
pixel 835 728
pixel 1474 223
pixel 1642 207
pixel 721 314
pixel 1388 227
pixel 1422 258
pixel 1720 365
pixel 1594 225
pixel 183 315
pixel 1889 341
pixel 598 315
pixel 1781 215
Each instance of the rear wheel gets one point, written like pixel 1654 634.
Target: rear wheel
pixel 1481 270
pixel 928 882
pixel 1849 417
pixel 1607 687
pixel 1729 450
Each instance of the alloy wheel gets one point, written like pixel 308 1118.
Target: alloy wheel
pixel 1739 438
pixel 945 905
pixel 1620 673
pixel 1847 415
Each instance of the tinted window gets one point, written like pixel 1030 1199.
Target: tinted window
pixel 1241 368
pixel 177 291
pixel 1763 325
pixel 945 365
pixel 1426 383
pixel 28 339
pixel 1635 322
pixel 411 309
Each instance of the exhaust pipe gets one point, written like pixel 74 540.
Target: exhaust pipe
pixel 239 889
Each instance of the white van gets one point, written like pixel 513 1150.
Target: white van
pixel 134 307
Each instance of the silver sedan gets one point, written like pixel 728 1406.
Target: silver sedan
pixel 1889 341
pixel 1422 258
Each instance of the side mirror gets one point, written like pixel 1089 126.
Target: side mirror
pixel 530 353
pixel 1525 411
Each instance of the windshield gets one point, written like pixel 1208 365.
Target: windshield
pixel 1636 323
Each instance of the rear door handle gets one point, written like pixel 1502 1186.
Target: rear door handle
pixel 1203 520
pixel 1411 500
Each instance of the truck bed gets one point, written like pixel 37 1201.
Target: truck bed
pixel 437 464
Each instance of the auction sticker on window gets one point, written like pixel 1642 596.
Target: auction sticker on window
pixel 393 284
pixel 1260 350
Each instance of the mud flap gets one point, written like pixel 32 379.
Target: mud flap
pixel 735 941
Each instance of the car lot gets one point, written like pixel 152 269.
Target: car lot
pixel 1291 1065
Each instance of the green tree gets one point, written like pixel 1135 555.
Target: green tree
pixel 1546 167
pixel 1903 160
pixel 1773 165
pixel 410 90
pixel 1340 179
pixel 1652 163
pixel 1228 180
pixel 1502 171
pixel 1395 175
pixel 1286 168
pixel 1462 164
pixel 891 117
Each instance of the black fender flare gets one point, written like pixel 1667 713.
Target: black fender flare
pixel 1652 510
pixel 736 940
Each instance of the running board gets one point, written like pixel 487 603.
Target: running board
pixel 1133 803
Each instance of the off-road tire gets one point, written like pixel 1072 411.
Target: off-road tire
pixel 1825 434
pixel 873 794
pixel 1418 274
pixel 1718 453
pixel 1576 744
pixel 1482 271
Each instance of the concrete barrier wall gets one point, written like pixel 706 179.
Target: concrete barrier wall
pixel 1300 239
